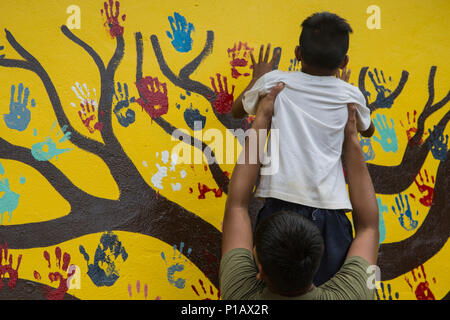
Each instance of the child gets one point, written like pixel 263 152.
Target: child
pixel 310 114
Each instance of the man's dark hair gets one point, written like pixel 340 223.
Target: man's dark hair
pixel 324 40
pixel 289 248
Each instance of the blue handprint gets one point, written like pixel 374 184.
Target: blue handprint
pixel 389 297
pixel 19 115
pixel 404 214
pixel 181 33
pixel 123 103
pixel 381 100
pixel 47 149
pixel 366 146
pixel 107 253
pixel 2 55
pixel 295 65
pixel 388 137
pixel 438 144
pixel 381 209
pixel 177 267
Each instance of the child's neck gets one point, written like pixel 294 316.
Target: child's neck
pixel 318 72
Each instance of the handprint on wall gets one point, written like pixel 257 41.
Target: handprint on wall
pixel 388 137
pixel 104 270
pixel 6 267
pixel 438 143
pixel 295 65
pixel 205 294
pixel 125 115
pixel 88 107
pixel 60 292
pixel 366 146
pixel 383 98
pixel 224 99
pixel 383 295
pixel 181 33
pixel 112 18
pixel 153 98
pixel 426 188
pixel 19 115
pixel 239 54
pixel 176 266
pixel 404 214
pixel 420 284
pixel 48 149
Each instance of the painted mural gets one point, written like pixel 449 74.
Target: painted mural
pixel 98 97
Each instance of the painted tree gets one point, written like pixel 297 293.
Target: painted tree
pixel 140 209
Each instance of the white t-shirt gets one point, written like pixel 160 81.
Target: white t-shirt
pixel 310 114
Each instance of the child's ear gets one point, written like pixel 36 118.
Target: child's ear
pixel 298 53
pixel 344 62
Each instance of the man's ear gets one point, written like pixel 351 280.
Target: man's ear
pixel 298 54
pixel 260 273
pixel 344 62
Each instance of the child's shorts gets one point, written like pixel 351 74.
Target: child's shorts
pixel 334 226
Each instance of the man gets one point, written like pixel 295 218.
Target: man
pixel 280 261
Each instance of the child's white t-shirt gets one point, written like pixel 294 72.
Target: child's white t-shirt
pixel 310 114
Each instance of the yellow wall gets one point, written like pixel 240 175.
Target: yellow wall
pixel 413 38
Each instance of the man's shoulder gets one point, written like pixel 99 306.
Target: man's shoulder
pixel 349 283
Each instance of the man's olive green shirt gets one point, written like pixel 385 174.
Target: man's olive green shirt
pixel 238 281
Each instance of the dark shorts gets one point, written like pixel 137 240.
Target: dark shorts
pixel 334 226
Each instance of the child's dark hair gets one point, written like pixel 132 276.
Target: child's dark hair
pixel 324 40
pixel 289 248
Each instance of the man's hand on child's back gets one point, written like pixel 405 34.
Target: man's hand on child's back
pixel 263 65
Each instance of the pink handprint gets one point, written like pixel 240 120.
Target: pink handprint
pixel 60 292
pixel 224 99
pixel 426 189
pixel 154 101
pixel 7 268
pixel 112 19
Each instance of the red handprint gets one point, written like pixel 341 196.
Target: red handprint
pixel 112 20
pixel 60 292
pixel 206 296
pixel 422 290
pixel 412 123
pixel 238 55
pixel 427 199
pixel 7 268
pixel 88 115
pixel 154 101
pixel 224 100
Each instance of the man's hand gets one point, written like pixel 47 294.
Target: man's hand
pixel 263 65
pixel 264 112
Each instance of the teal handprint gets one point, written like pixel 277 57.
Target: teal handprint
pixel 404 214
pixel 388 137
pixel 19 115
pixel 181 33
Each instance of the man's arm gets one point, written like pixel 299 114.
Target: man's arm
pixel 259 69
pixel 362 195
pixel 237 228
